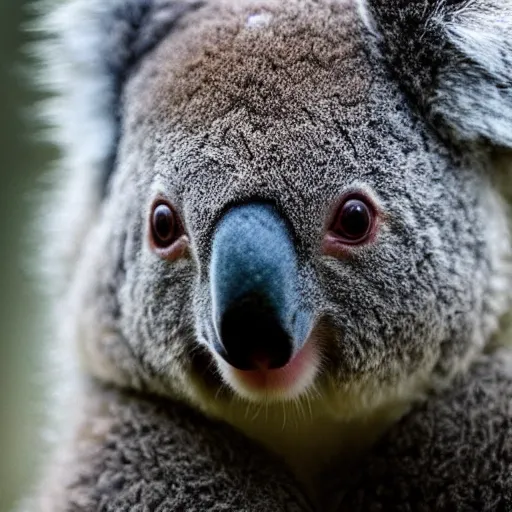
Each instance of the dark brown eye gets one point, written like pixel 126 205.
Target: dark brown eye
pixel 164 225
pixel 166 232
pixel 354 221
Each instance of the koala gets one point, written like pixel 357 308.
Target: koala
pixel 279 254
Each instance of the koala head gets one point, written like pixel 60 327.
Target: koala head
pixel 269 201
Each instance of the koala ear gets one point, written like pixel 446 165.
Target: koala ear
pixel 455 58
pixel 86 53
pixel 90 48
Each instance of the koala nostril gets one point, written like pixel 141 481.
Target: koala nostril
pixel 252 336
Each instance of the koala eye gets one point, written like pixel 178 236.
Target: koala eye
pixel 353 222
pixel 163 225
pixel 166 231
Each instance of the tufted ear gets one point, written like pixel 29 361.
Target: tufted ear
pixel 87 51
pixel 455 58
pixel 90 48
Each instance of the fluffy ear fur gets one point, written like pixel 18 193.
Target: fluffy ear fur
pixel 455 56
pixel 98 42
pixel 89 49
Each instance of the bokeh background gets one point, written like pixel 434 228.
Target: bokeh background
pixel 22 163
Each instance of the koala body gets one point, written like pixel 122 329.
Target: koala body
pixel 290 216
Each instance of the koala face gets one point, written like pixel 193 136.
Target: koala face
pixel 286 222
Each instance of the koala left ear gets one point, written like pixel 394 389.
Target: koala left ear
pixel 455 58
pixel 89 50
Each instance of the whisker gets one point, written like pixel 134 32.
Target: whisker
pixel 308 401
pixel 257 412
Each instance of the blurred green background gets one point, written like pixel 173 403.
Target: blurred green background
pixel 22 162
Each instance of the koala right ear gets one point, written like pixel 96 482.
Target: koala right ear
pixel 455 58
pixel 89 50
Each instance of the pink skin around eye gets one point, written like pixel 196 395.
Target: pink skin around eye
pixel 175 251
pixel 333 246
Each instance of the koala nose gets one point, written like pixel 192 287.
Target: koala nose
pixel 252 335
pixel 253 282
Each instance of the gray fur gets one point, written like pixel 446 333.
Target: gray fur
pixel 136 453
pixel 294 103
pixel 453 453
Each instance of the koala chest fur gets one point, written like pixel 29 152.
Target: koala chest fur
pixel 310 435
pixel 290 228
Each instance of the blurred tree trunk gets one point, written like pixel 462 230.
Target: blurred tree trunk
pixel 21 164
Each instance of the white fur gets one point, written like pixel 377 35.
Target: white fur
pixel 368 21
pixel 470 98
pixel 82 121
pixel 258 20
pixel 79 117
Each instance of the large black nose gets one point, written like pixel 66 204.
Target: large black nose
pixel 252 335
pixel 253 284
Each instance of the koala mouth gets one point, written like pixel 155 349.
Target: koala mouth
pixel 267 384
pixel 280 379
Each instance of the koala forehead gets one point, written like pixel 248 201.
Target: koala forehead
pixel 279 101
pixel 266 60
